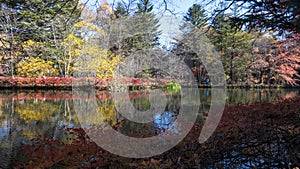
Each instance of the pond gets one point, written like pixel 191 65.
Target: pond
pixel 41 128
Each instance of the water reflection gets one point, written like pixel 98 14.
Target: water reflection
pixel 28 115
pixel 236 96
pixel 165 121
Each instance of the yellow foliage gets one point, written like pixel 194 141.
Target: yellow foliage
pixel 89 26
pixel 73 45
pixel 105 7
pixel 39 111
pixel 106 113
pixel 103 62
pixel 29 43
pixel 93 58
pixel 72 41
pixel 35 67
pixel 108 66
pixel 32 48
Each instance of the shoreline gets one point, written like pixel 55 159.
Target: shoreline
pixel 142 87
pixel 57 83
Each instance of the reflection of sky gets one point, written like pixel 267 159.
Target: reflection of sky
pixel 165 121
pixel 67 124
pixel 4 129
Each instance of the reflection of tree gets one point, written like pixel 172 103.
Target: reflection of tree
pixel 6 146
pixel 106 113
pixel 26 120
pixel 246 135
pixel 36 111
pixel 37 117
pixel 2 116
pixel 235 96
pixel 261 135
pixel 141 103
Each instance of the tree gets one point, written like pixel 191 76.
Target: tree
pixel 84 51
pixel 194 19
pixel 144 21
pixel 144 6
pixel 35 19
pixel 9 43
pixel 121 10
pixel 196 16
pixel 40 21
pixel 67 51
pixel 287 61
pixel 234 45
pixel 276 15
pixel 260 66
pixel 276 61
pixel 72 48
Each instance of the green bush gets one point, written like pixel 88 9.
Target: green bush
pixel 173 87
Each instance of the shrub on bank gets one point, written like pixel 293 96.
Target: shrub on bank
pixel 35 67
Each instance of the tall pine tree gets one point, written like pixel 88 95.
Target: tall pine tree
pixel 143 20
pixel 35 21
pixel 195 19
pixel 234 46
pixel 196 16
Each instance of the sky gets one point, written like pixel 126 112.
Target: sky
pixel 179 6
pixel 169 24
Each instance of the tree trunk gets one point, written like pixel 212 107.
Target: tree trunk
pixel 231 69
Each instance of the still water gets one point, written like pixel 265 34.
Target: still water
pixel 29 118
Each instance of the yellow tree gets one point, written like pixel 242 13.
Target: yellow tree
pixel 90 56
pixel 102 62
pixel 34 65
pixel 72 46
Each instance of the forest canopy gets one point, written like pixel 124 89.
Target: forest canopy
pixel 258 40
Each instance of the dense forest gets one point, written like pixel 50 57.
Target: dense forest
pixel 258 41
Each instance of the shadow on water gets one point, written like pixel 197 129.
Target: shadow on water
pixel 36 124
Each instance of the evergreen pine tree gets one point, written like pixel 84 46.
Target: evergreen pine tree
pixel 234 46
pixel 45 22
